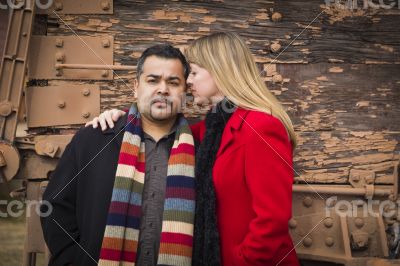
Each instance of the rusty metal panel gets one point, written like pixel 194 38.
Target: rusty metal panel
pixel 47 51
pixel 62 105
pixel 79 7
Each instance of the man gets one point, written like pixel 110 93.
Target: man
pixel 126 195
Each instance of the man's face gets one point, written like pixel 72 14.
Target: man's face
pixel 160 88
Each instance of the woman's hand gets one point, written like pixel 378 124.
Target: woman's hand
pixel 106 119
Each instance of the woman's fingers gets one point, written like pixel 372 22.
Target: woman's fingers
pixel 90 123
pixel 116 114
pixel 102 121
pixel 95 122
pixel 106 119
pixel 107 116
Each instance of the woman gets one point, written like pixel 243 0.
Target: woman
pixel 244 161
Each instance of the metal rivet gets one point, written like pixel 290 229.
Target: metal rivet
pixel 105 43
pixel 59 72
pixel 49 148
pixel 275 47
pixel 356 178
pixel 328 222
pixel 104 73
pixel 105 5
pixel 59 42
pixel 58 6
pixel 24 34
pixel 292 223
pixel 359 222
pixel 276 17
pixel 85 115
pixel 307 242
pixel 86 92
pixel 5 109
pixel 331 202
pixel 329 241
pixel 307 201
pixel 61 104
pixel 60 57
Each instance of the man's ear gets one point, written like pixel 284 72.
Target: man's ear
pixel 135 87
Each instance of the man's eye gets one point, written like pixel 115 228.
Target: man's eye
pixel 174 83
pixel 151 81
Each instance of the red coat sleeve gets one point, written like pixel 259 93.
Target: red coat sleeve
pixel 269 178
pixel 198 130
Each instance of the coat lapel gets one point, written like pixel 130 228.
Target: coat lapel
pixel 234 124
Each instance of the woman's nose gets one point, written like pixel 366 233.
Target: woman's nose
pixel 189 80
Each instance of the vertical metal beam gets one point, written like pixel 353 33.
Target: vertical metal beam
pixel 13 67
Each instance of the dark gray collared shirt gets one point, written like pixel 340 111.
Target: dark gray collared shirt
pixel 155 181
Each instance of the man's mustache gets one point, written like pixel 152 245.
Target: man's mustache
pixel 161 100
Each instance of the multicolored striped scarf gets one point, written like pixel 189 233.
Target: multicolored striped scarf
pixel 121 235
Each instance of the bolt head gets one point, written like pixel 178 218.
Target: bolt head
pixel 275 47
pixel 328 222
pixel 307 242
pixel 105 43
pixel 307 201
pixel 86 92
pixel 85 114
pixel 60 57
pixel 59 42
pixel 292 223
pixel 104 73
pixel 329 241
pixel 105 5
pixel 61 104
pixel 5 109
pixel 276 16
pixel 359 222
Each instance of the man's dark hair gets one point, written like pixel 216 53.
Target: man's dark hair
pixel 163 51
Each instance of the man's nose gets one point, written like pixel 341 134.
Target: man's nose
pixel 163 89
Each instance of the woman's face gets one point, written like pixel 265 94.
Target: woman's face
pixel 203 85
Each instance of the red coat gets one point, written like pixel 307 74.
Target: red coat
pixel 253 187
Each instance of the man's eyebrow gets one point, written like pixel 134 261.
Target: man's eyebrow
pixel 174 78
pixel 153 76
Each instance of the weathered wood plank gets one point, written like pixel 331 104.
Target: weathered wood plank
pixel 338 80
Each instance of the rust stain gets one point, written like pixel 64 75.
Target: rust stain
pixel 209 19
pixel 262 16
pixel 362 103
pixel 336 70
pixel 387 48
pixel 337 12
pixel 333 60
pixel 142 26
pixel 308 26
pixel 204 29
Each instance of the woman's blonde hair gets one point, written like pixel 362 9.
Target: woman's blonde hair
pixel 230 62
